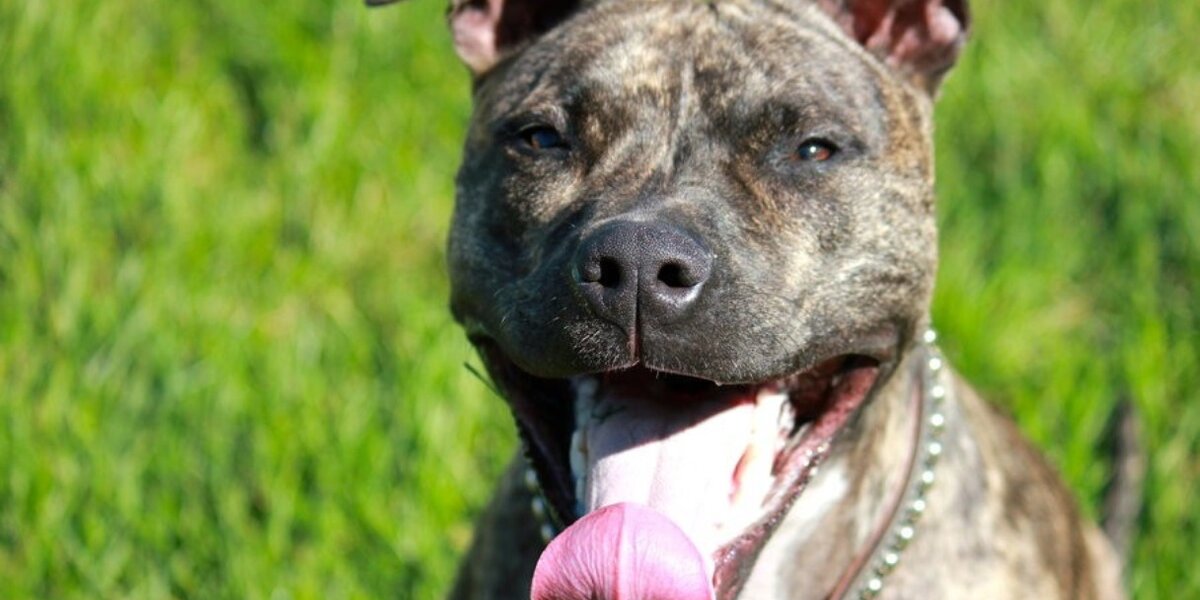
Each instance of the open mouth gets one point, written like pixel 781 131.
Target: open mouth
pixel 722 462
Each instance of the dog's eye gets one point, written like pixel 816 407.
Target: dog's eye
pixel 815 150
pixel 542 137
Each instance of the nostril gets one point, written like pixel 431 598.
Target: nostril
pixel 604 270
pixel 631 272
pixel 674 275
pixel 610 273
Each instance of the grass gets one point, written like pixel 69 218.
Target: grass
pixel 227 367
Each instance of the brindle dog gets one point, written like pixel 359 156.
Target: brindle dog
pixel 694 244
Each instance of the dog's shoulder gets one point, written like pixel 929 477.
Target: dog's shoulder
pixel 1036 518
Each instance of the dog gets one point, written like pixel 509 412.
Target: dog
pixel 694 245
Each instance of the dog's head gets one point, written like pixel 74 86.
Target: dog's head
pixel 691 238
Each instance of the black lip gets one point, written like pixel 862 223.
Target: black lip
pixel 538 406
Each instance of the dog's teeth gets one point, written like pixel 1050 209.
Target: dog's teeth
pixel 585 390
pixel 580 490
pixel 585 398
pixel 753 478
pixel 579 465
pixel 785 416
pixel 578 454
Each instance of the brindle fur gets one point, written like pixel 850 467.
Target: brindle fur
pixel 686 111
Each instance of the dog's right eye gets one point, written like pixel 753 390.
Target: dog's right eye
pixel 815 150
pixel 541 137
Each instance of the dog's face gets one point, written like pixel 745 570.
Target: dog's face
pixel 690 239
pixel 794 175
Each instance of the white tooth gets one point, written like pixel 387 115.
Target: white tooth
pixel 580 494
pixel 578 455
pixel 585 394
pixel 785 421
pixel 776 413
pixel 755 473
pixel 787 416
pixel 585 397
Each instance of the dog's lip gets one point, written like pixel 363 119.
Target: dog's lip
pixel 881 342
pixel 881 350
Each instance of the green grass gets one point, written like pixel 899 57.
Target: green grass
pixel 226 367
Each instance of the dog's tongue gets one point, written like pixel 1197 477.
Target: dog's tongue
pixel 662 483
pixel 623 551
pixel 682 457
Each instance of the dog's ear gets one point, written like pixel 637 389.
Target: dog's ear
pixel 919 38
pixel 486 30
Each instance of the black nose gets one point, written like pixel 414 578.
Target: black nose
pixel 652 272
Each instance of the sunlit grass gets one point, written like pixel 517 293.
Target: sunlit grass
pixel 228 371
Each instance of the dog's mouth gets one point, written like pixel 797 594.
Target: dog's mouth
pixel 721 463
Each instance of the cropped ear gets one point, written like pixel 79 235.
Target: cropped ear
pixel 485 31
pixel 921 39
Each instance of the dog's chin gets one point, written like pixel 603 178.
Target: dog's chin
pixel 723 462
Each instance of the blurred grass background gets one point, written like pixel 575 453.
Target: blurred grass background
pixel 226 366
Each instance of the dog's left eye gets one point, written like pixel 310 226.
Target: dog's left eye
pixel 542 137
pixel 815 150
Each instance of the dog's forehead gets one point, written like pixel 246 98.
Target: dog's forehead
pixel 648 44
pixel 736 56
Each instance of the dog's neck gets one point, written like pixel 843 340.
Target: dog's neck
pixel 848 530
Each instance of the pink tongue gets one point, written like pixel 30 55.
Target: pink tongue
pixel 623 551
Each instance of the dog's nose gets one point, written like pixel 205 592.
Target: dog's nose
pixel 652 272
